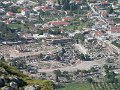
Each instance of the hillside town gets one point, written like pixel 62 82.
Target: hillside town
pixel 64 41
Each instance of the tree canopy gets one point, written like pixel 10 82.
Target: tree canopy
pixel 47 85
pixel 6 33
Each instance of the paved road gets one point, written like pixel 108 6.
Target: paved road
pixel 92 8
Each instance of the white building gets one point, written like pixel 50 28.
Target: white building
pixel 25 12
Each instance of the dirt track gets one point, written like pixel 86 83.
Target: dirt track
pixel 82 66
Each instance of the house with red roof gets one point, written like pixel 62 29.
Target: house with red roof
pixel 104 3
pixel 104 13
pixel 111 22
pixel 25 35
pixel 97 7
pixel 7 21
pixel 100 35
pixel 24 11
pixel 58 23
pixel 43 8
pixel 9 13
pixel 78 1
pixel 114 31
pixel 67 18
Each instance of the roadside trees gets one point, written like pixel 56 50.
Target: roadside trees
pixel 57 75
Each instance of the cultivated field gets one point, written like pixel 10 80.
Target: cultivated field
pixel 76 86
pixel 94 86
pixel 106 86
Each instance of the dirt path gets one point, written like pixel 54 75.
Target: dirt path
pixel 82 66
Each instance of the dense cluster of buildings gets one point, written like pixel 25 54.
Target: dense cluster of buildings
pixel 57 35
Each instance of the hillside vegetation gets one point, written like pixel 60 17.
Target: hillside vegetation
pixel 11 74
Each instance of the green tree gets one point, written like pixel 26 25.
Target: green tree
pixel 110 10
pixel 92 69
pixel 47 85
pixel 90 80
pixel 82 56
pixel 65 72
pixel 59 2
pixel 2 58
pixel 87 57
pixel 66 5
pixel 6 33
pixel 110 75
pixel 57 74
pixel 57 57
pixel 79 36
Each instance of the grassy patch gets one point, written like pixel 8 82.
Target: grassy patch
pixel 116 44
pixel 76 86
pixel 71 28
pixel 15 26
pixel 33 82
pixel 12 70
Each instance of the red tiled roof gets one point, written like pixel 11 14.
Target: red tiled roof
pixel 9 13
pixel 43 8
pixel 23 10
pixel 105 13
pixel 99 33
pixel 104 3
pixel 67 18
pixel 7 21
pixel 115 29
pixel 51 0
pixel 97 7
pixel 58 23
